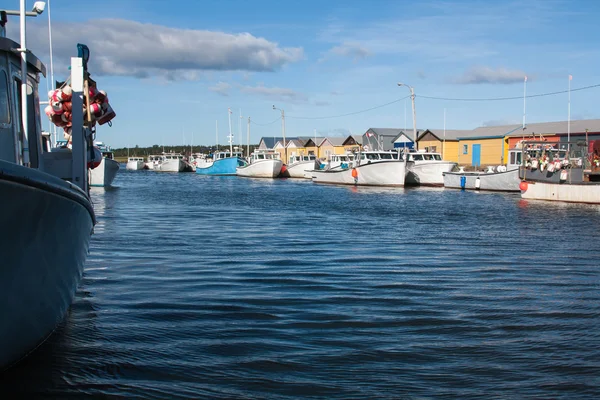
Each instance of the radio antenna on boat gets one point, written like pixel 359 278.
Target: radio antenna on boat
pixel 217 134
pixel 230 134
pixel 248 140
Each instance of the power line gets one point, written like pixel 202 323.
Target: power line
pixel 507 98
pixel 352 113
pixel 268 123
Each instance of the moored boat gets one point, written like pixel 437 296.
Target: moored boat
pixel 426 168
pixel 135 164
pixel 263 164
pixel 559 172
pixel 45 200
pixel 300 165
pixel 170 162
pixel 221 163
pixel 371 168
pixel 104 174
pixel 503 178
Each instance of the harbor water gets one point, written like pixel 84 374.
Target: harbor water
pixel 225 287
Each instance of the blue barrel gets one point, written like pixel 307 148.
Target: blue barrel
pixel 463 182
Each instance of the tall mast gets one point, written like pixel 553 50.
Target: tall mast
pixel 248 139
pixel 230 134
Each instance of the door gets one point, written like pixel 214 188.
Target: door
pixel 476 157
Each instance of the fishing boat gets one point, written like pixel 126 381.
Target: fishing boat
pixel 46 208
pixel 559 172
pixel 502 178
pixel 263 164
pixel 369 168
pixel 135 164
pixel 221 163
pixel 300 165
pixel 426 168
pixel 170 162
pixel 104 174
pixel 153 161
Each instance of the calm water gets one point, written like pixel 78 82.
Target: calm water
pixel 227 287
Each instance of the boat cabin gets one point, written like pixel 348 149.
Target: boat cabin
pixel 424 156
pixel 220 155
pixel 135 159
pixel 371 156
pixel 259 155
pixel 302 157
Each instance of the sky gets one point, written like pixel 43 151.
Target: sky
pixel 172 69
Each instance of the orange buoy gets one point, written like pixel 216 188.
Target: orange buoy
pixel 283 168
pixel 354 173
pixel 523 186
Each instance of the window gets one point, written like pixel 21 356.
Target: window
pixel 433 149
pixel 465 149
pixel 4 103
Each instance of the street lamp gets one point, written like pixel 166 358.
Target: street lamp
pixel 412 98
pixel 38 8
pixel 282 130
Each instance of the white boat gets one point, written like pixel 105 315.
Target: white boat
pixel 135 164
pixel 426 168
pixel 503 178
pixel 153 161
pixel 170 162
pixel 371 168
pixel 299 165
pixel 46 211
pixel 104 174
pixel 564 175
pixel 263 164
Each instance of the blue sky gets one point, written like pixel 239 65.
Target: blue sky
pixel 171 69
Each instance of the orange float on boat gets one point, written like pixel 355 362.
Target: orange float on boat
pixel 523 186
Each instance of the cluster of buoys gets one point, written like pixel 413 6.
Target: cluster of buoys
pixel 60 107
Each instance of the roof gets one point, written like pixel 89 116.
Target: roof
pixel 385 131
pixel 449 134
pixel 357 138
pixel 271 141
pixel 559 127
pixel 315 141
pixel 334 140
pixel 296 142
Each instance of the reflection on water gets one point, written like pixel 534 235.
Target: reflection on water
pixel 222 287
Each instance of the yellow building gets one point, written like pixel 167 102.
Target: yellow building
pixel 296 147
pixel 312 146
pixel 446 143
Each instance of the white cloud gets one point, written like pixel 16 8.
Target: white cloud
pixel 481 74
pixel 129 48
pixel 352 50
pixel 221 88
pixel 275 93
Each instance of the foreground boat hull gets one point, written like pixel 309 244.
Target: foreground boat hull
pixel 588 193
pixel 225 166
pixel 383 173
pixel 43 258
pixel 105 173
pixel 261 169
pixel 428 173
pixel 507 181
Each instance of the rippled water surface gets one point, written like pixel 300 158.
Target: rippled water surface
pixel 224 287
